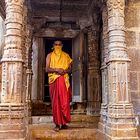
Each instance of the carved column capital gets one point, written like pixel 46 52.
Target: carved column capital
pixel 116 5
pixel 116 29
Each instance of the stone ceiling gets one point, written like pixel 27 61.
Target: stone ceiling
pixel 50 9
pixel 71 10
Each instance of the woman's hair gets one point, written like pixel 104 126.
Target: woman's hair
pixel 58 41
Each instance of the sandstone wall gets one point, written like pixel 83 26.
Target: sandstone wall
pixel 132 21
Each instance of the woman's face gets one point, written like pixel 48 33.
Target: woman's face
pixel 58 45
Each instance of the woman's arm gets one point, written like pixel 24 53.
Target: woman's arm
pixel 69 69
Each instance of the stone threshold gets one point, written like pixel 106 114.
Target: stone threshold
pixel 74 118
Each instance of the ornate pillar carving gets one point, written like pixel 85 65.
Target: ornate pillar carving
pixel 13 109
pixel 12 60
pixel 94 93
pixel 24 48
pixel 35 48
pixel 121 117
pixel 27 57
pixel 29 62
pixel 29 72
pixel 104 58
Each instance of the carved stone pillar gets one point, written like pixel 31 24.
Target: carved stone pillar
pixel 29 63
pixel 94 93
pixel 27 57
pixel 104 58
pixel 35 48
pixel 121 117
pixel 29 72
pixel 24 48
pixel 13 109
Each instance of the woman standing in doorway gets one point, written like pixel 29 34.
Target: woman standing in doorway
pixel 58 65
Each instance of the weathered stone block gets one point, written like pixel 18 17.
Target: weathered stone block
pixel 134 55
pixel 130 38
pixel 136 104
pixel 133 81
pixel 132 15
pixel 118 133
pixel 135 95
pixel 12 134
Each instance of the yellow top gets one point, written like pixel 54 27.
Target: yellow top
pixel 59 59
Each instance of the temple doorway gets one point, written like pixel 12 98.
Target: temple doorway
pixel 77 48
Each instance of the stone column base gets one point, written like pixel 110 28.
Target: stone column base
pixel 108 133
pixel 122 134
pixel 103 118
pixel 13 121
pixel 121 123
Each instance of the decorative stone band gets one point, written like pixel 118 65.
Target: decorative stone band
pixel 12 111
pixel 114 6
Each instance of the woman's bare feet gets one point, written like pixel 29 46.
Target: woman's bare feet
pixel 64 126
pixel 57 128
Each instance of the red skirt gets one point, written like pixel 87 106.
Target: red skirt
pixel 60 97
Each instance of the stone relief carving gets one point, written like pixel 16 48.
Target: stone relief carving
pixel 114 6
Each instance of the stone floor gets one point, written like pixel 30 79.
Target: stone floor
pixel 75 132
pixel 81 128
